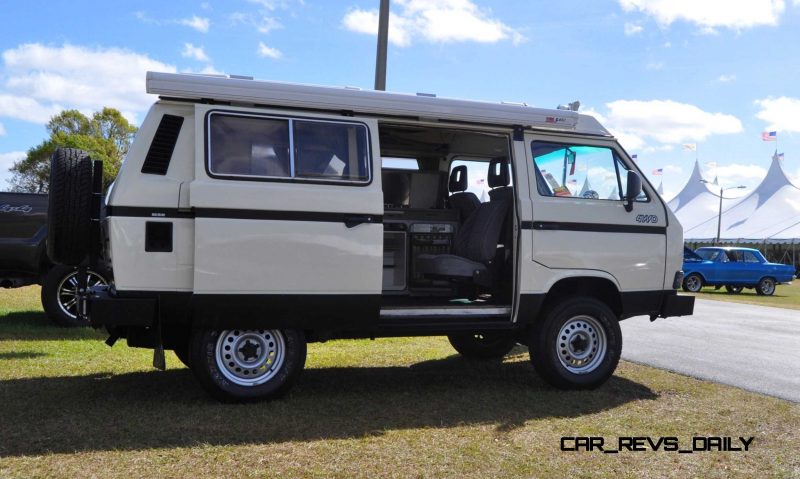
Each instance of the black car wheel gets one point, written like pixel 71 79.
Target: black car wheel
pixel 482 345
pixel 693 283
pixel 60 293
pixel 576 344
pixel 766 287
pixel 733 289
pixel 240 365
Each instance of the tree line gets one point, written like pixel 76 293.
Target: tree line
pixel 106 135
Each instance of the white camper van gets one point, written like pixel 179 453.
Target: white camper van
pixel 251 218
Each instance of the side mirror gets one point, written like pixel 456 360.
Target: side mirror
pixel 633 190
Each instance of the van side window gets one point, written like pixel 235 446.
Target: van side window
pixel 330 150
pixel 263 147
pixel 249 146
pixel 577 171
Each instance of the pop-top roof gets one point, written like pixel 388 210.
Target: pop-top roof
pixel 247 91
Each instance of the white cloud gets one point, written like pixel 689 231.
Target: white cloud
pixel 191 51
pixel 736 174
pixel 201 24
pixel 262 23
pixel 633 29
pixel 268 52
pixel 667 44
pixel 666 121
pixel 710 14
pixel 781 114
pixel 7 160
pixel 655 66
pixel 206 70
pixel 726 78
pixel 42 80
pixel 435 21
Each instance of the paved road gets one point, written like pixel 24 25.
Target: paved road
pixel 752 347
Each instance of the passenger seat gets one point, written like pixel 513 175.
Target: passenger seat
pixel 475 251
pixel 465 202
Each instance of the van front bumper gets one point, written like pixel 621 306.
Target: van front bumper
pixel 674 304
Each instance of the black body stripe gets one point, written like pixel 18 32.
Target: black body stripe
pixel 225 213
pixel 592 227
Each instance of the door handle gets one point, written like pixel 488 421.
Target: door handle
pixel 351 221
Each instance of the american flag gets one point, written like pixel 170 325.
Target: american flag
pixel 780 156
pixel 658 171
pixel 769 136
pixel 573 181
pixel 634 157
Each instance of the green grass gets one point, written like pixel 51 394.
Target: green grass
pixel 72 407
pixel 786 296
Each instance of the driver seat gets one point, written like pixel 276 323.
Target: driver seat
pixel 475 243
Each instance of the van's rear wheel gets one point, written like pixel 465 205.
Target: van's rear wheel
pixel 576 344
pixel 482 345
pixel 247 365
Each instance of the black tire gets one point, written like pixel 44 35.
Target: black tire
pixel 482 345
pixel 572 328
pixel 229 385
pixel 733 289
pixel 693 283
pixel 766 287
pixel 58 291
pixel 69 206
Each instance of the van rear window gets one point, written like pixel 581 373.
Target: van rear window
pixel 253 147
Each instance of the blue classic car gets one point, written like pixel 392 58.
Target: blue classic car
pixel 734 268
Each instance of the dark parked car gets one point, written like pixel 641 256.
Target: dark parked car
pixel 734 268
pixel 24 261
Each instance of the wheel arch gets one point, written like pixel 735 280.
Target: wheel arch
pixel 598 287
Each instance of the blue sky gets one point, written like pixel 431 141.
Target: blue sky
pixel 658 73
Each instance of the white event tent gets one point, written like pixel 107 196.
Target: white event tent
pixel 769 215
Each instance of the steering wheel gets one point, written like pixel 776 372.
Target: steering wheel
pixel 591 194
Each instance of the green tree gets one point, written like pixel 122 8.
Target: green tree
pixel 106 136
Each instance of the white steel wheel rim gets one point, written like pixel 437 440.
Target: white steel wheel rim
pixel 767 286
pixel 581 344
pixel 68 291
pixel 693 283
pixel 250 357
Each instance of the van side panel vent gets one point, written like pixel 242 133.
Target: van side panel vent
pixel 160 153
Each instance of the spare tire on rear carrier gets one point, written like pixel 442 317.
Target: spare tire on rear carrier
pixel 70 209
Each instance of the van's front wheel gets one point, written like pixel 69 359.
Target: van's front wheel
pixel 239 365
pixel 576 344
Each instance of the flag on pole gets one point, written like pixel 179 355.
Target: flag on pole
pixel 633 157
pixel 690 146
pixel 658 171
pixel 769 136
pixel 780 156
pixel 572 181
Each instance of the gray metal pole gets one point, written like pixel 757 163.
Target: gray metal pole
pixel 719 217
pixel 383 40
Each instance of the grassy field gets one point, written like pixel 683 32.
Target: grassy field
pixel 786 296
pixel 72 407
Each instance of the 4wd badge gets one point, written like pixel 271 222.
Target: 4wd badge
pixel 647 219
